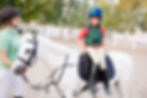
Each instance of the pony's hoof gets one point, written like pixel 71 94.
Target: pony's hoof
pixel 75 94
pixel 63 97
pixel 108 91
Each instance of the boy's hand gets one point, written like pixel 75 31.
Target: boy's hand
pixel 84 50
pixel 82 46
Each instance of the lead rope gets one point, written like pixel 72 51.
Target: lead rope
pixel 50 79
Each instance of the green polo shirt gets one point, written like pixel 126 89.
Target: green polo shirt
pixel 9 42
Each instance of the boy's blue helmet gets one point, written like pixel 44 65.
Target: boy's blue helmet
pixel 96 12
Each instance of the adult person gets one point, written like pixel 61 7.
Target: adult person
pixel 9 48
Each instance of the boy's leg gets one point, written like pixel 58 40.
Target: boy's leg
pixel 103 66
pixel 101 54
pixel 93 55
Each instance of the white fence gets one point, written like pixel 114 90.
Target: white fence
pixel 137 40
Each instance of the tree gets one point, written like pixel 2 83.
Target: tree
pixel 40 10
pixel 127 15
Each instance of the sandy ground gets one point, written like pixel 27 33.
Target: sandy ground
pixel 138 81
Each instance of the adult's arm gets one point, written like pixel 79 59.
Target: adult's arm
pixel 4 59
pixel 4 46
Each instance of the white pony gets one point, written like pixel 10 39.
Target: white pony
pixel 70 81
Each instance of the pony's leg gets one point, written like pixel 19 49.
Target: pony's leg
pixel 78 93
pixel 42 94
pixel 94 94
pixel 125 89
pixel 117 87
pixel 69 93
pixel 60 91
pixel 125 85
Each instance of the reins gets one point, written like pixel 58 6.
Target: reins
pixel 50 79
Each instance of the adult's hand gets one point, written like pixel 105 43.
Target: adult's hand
pixel 20 70
pixel 4 58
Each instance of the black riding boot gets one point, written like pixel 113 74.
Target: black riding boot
pixel 106 82
pixel 92 79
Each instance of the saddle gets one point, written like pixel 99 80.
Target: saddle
pixel 85 67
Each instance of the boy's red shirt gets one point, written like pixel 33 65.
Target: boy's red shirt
pixel 84 32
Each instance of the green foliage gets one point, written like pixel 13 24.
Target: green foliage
pixel 127 15
pixel 40 10
pixel 76 13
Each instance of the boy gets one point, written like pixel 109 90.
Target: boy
pixel 91 40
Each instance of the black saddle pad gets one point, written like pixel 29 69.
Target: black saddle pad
pixel 86 64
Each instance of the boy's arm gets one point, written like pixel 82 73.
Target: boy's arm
pixel 103 30
pixel 81 37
